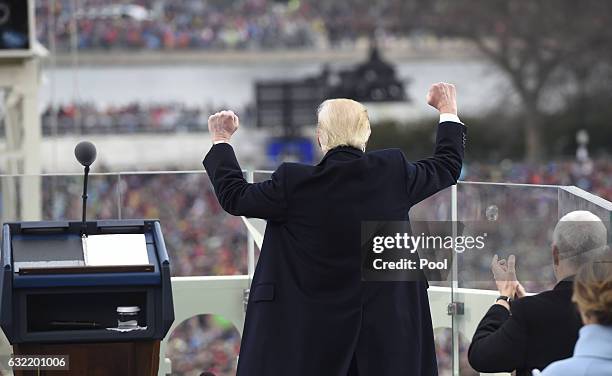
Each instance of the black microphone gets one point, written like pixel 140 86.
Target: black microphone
pixel 85 153
pixel 207 373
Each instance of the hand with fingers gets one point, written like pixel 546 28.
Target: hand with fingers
pixel 504 273
pixel 222 126
pixel 519 290
pixel 443 97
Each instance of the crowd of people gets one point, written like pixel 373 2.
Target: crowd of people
pixel 87 118
pixel 204 342
pixel 176 25
pixel 167 117
pixel 593 176
pixel 213 25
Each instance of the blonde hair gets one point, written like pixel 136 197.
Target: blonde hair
pixel 343 122
pixel 593 291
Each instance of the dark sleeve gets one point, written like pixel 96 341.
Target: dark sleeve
pixel 499 344
pixel 264 200
pixel 430 175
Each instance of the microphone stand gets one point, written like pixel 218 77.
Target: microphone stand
pixel 84 196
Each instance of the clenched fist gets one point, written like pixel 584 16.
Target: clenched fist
pixel 443 97
pixel 222 125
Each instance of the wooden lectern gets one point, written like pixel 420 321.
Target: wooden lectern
pixel 99 359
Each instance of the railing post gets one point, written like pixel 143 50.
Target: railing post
pixel 454 305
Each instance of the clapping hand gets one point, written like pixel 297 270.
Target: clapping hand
pixel 504 273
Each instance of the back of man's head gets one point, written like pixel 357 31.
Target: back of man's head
pixel 580 236
pixel 343 122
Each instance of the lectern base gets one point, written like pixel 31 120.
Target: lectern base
pixel 98 359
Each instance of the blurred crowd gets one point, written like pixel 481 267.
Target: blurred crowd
pixel 204 343
pixel 593 176
pixel 444 353
pixel 89 118
pixel 177 24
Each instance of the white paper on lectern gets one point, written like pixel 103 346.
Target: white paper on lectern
pixel 115 249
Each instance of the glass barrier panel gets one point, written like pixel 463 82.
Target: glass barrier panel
pixel 434 208
pixel 62 196
pixel 202 239
pixel 429 217
pixel 12 207
pixel 510 219
pixel 58 197
pixel 519 220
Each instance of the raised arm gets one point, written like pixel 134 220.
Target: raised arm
pixel 264 200
pixel 430 175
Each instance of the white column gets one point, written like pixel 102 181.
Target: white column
pixel 30 187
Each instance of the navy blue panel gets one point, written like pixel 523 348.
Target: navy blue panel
pixel 43 236
pixel 99 279
pixel 44 225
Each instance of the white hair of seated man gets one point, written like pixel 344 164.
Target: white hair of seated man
pixel 579 236
pixel 343 122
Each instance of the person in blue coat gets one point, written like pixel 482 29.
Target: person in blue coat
pixel 309 312
pixel 593 351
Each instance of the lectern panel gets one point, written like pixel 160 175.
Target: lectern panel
pixel 81 310
pixel 50 250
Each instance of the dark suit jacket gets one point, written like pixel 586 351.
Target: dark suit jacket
pixel 539 330
pixel 309 313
